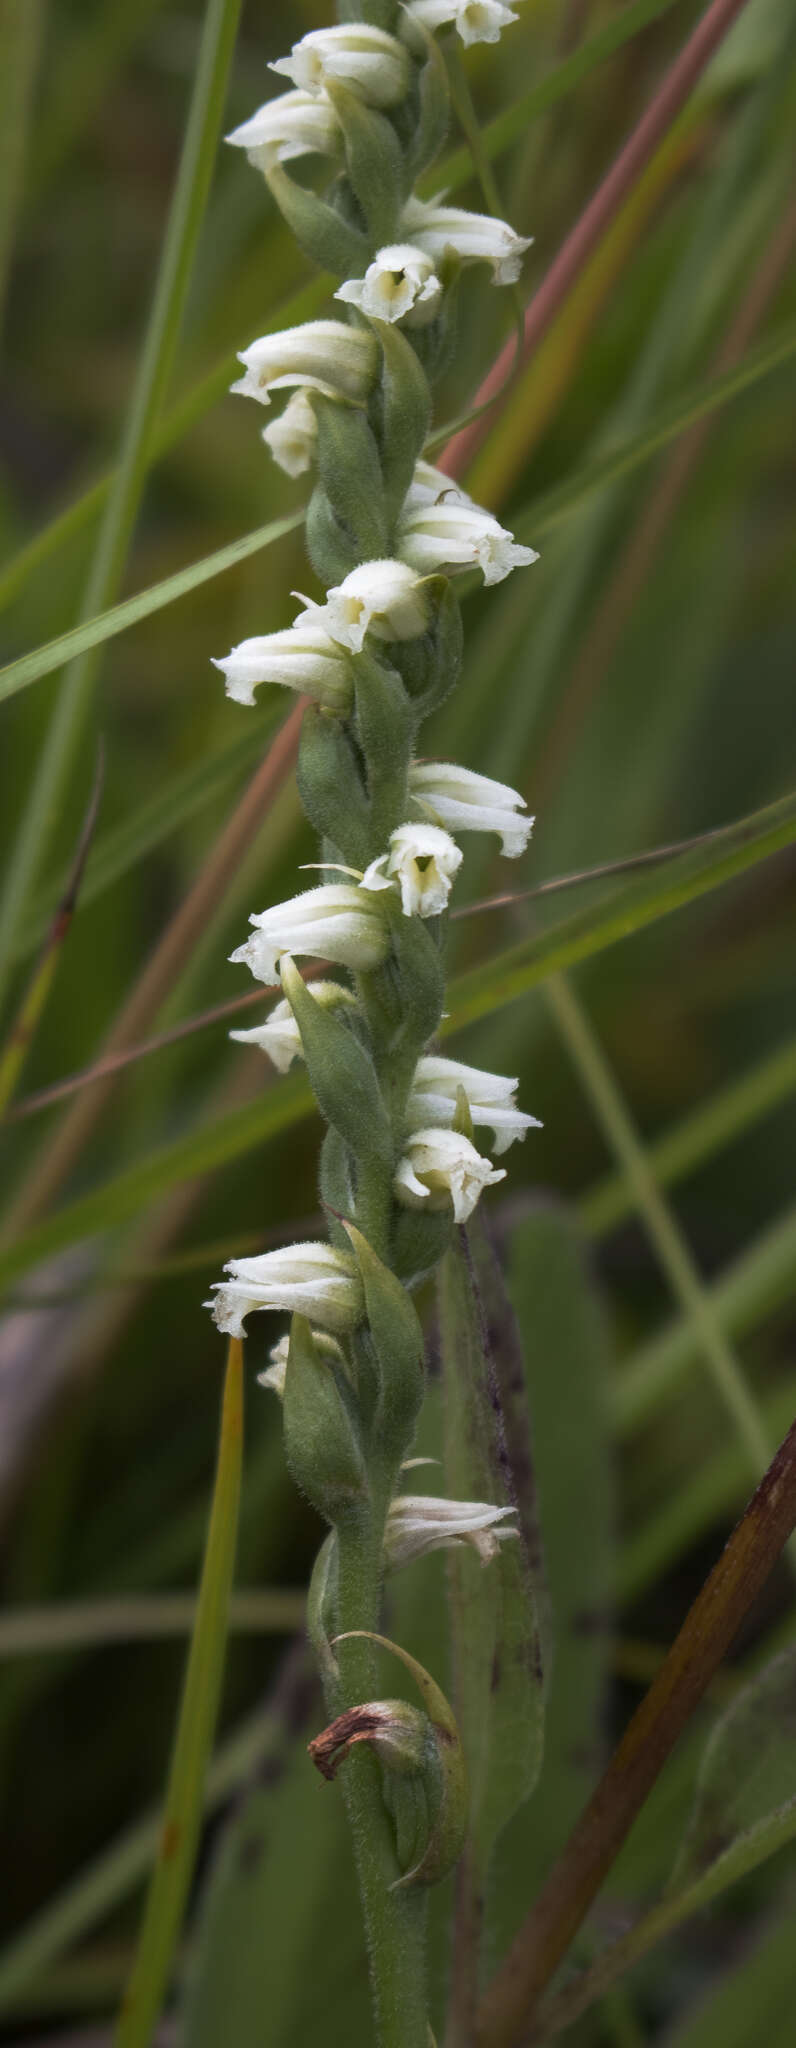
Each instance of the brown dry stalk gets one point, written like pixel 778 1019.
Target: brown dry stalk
pixel 597 217
pixel 509 2005
pixel 169 956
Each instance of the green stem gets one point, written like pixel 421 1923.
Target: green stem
pixel 394 1920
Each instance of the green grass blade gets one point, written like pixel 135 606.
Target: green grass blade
pixel 511 974
pixel 701 399
pixel 179 1837
pixel 66 731
pixel 140 1617
pixel 93 632
pixel 717 1122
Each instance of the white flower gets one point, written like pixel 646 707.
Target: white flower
pixel 423 861
pixel 449 536
pixel 473 237
pixel 490 1097
pixel 293 436
pixel 315 1279
pixel 337 921
pixel 429 486
pixel 274 1374
pixel 400 284
pixel 468 802
pixel 325 355
pixel 280 1037
pixel 293 124
pixel 476 21
pixel 368 60
pixel 442 1166
pixel 419 1522
pixel 384 598
pixel 302 658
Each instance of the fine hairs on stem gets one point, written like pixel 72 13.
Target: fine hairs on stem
pixel 376 648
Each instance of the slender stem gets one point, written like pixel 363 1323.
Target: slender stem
pixel 394 1920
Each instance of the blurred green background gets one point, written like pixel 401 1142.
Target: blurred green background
pixel 637 685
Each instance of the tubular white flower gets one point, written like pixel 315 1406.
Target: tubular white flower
pixel 338 921
pixel 476 21
pixel 368 60
pixel 280 1037
pixel 324 355
pixel 423 861
pixel 449 536
pixel 302 658
pixel 473 237
pixel 490 1098
pixel 314 1279
pixel 274 1375
pixel 430 486
pixel 293 124
pixel 385 598
pixel 419 1522
pixel 467 802
pixel 292 438
pixel 400 284
pixel 442 1166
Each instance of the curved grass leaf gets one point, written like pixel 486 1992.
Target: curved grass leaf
pixel 193 1741
pixel 748 1770
pixel 17 675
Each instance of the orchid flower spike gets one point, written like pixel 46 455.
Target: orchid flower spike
pixel 293 436
pixel 400 284
pixel 302 658
pixel 491 1099
pixel 473 237
pixel 464 801
pixel 419 1522
pixel 423 861
pixel 323 355
pixel 338 921
pixel 274 1375
pixel 440 1167
pixel 314 1279
pixel 371 63
pixel 280 1037
pixel 385 598
pixel 293 124
pixel 450 535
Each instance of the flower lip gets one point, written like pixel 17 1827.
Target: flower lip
pixel 323 355
pixel 372 63
pixel 423 861
pixel 476 21
pixel 464 801
pixel 313 1278
pixel 472 237
pixel 339 921
pixel 440 1167
pixel 291 125
pixel 301 658
pixel 418 1523
pixel 491 1099
pixel 400 284
pixel 383 597
pixel 449 535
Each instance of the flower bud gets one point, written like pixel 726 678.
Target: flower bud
pixel 302 658
pixel 448 536
pixel 435 1089
pixel 292 438
pixel 322 1435
pixel 324 355
pixel 440 1167
pixel 396 1732
pixel 370 62
pixel 468 802
pixel 476 21
pixel 337 921
pixel 418 1522
pixel 423 860
pixel 400 284
pixel 315 1279
pixel 280 1037
pixel 472 237
pixel 385 598
pixel 293 124
pixel 273 1376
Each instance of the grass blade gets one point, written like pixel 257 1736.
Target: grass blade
pixel 67 727
pixel 140 1617
pixel 194 1736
